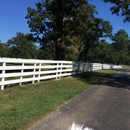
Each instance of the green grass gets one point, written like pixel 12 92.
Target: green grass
pixel 20 107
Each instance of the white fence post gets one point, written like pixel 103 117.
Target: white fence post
pixel 39 71
pixel 60 70
pixel 102 66
pixel 73 68
pixel 3 74
pixel 34 73
pixel 21 73
pixel 57 71
pixel 78 67
pixel 91 66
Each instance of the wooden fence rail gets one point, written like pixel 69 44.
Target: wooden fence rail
pixel 18 71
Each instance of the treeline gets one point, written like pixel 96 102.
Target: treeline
pixel 19 47
pixel 68 30
pixel 118 52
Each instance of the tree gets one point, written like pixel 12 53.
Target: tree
pixel 103 52
pixel 3 50
pixel 100 29
pixel 56 22
pixel 121 7
pixel 46 52
pixel 121 44
pixel 21 47
pixel 100 53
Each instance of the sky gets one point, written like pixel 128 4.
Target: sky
pixel 13 12
pixel 12 18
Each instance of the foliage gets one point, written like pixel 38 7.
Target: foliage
pixel 3 50
pixel 99 53
pixel 56 22
pixel 121 43
pixel 101 29
pixel 68 30
pixel 121 7
pixel 118 52
pixel 21 47
pixel 46 52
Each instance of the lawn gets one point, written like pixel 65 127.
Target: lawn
pixel 22 106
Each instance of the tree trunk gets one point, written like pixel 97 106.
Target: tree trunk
pixel 59 50
pixel 59 43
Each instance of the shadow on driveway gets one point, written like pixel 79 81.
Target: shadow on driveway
pixel 120 80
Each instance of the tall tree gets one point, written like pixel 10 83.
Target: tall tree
pixel 121 8
pixel 21 47
pixel 56 22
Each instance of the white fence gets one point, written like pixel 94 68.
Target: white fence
pixel 18 71
pixel 98 66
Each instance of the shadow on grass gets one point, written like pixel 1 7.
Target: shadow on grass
pixel 121 79
pixel 92 77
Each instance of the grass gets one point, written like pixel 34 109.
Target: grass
pixel 20 107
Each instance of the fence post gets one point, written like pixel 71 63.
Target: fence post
pixel 34 73
pixel 57 71
pixel 60 70
pixel 78 67
pixel 102 66
pixel 84 67
pixel 73 68
pixel 21 73
pixel 83 64
pixel 39 72
pixel 92 66
pixel 3 74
